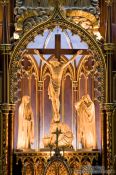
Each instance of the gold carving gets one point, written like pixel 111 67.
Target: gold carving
pixel 109 47
pixel 57 167
pixel 109 2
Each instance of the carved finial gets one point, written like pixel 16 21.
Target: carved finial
pixel 109 2
pixel 4 2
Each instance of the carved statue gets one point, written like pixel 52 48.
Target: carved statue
pixel 86 122
pixel 25 124
pixel 56 69
pixel 65 138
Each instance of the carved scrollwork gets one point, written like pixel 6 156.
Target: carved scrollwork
pixel 76 161
pixel 90 66
pixel 28 16
pixel 24 67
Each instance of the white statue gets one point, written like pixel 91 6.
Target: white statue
pixel 56 69
pixel 86 122
pixel 25 124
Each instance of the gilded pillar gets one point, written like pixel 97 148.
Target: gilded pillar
pixel 40 116
pixel 7 116
pixel 108 106
pixel 7 110
pixel 74 112
pixel 11 136
pixel 109 48
pixel 107 119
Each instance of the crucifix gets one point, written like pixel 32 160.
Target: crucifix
pixel 57 150
pixel 56 69
pixel 57 51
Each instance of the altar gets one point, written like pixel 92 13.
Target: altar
pixel 57 94
pixel 78 162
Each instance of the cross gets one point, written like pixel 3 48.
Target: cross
pixel 57 132
pixel 57 51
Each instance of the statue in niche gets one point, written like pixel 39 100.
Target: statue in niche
pixel 82 3
pixel 56 69
pixel 86 122
pixel 25 124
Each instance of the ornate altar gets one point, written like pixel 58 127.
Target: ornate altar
pixel 57 61
pixel 71 163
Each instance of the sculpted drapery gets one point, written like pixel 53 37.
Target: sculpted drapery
pixel 25 124
pixel 86 122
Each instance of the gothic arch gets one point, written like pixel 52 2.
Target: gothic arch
pixel 57 19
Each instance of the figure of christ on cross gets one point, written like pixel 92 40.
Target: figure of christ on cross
pixel 56 69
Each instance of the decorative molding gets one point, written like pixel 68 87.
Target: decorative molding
pixel 96 70
pixel 28 16
pixel 109 2
pixel 111 47
pixel 70 160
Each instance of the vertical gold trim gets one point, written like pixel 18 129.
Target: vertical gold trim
pixel 93 88
pixel 72 106
pixel 63 80
pixel 79 88
pixel 43 107
pixel 86 84
pixel 36 103
pixel 29 86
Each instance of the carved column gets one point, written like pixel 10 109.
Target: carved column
pixel 7 110
pixel 109 48
pixel 7 116
pixel 74 93
pixel 40 94
pixel 107 115
pixel 108 107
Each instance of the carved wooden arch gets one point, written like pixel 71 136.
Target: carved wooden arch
pixel 98 63
pixel 57 162
pixel 16 70
pixel 57 19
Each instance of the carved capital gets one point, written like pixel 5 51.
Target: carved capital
pixel 75 85
pixel 4 2
pixel 109 107
pixel 5 48
pixel 109 47
pixel 109 2
pixel 5 108
pixel 40 85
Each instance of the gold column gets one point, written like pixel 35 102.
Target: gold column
pixel 74 112
pixel 40 93
pixel 86 85
pixel 43 109
pixel 107 115
pixel 7 113
pixel 109 48
pixel 11 136
pixel 37 116
pixel 63 81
